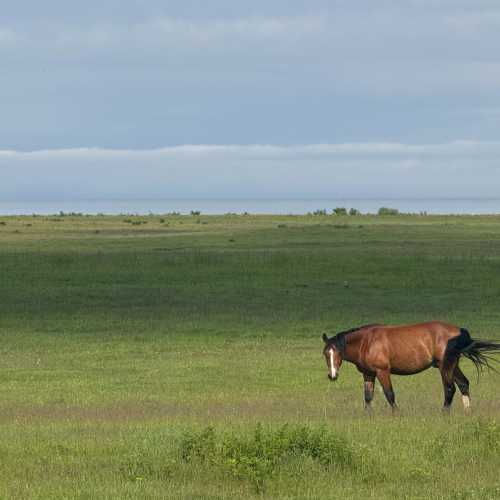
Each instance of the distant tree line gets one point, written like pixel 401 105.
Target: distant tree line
pixel 354 211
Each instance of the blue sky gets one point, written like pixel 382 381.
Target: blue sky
pixel 119 88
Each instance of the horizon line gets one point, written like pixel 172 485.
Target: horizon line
pixel 345 147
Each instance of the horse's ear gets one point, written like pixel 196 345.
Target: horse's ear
pixel 325 338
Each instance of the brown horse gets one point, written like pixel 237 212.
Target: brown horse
pixel 380 350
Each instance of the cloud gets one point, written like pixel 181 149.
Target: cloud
pixel 8 37
pixel 133 74
pixel 461 168
pixel 164 32
pixel 380 50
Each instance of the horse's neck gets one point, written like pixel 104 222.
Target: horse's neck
pixel 352 345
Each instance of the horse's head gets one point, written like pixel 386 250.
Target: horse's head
pixel 333 356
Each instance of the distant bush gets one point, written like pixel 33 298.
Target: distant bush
pixel 2 223
pixel 320 212
pixel 354 211
pixel 257 455
pixel 340 211
pixel 70 214
pixel 135 222
pixel 388 211
pixel 195 212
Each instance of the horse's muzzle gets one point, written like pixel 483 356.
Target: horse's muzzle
pixel 333 378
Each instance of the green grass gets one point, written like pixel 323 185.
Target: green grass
pixel 124 339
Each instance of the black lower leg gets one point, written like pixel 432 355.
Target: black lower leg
pixel 391 397
pixel 447 369
pixel 368 394
pixel 463 386
pixel 384 378
pixel 449 392
pixel 462 382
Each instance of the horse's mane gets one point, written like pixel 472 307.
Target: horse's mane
pixel 339 339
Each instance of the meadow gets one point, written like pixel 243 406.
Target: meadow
pixel 180 356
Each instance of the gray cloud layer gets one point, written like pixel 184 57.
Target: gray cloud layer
pixel 101 92
pixel 380 170
pixel 141 75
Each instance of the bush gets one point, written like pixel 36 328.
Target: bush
pixel 340 211
pixel 388 211
pixel 195 212
pixel 258 455
pixel 70 214
pixel 320 212
pixel 354 211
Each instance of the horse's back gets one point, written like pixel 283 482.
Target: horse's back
pixel 407 349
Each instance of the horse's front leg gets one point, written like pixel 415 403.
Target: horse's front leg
pixel 384 377
pixel 369 382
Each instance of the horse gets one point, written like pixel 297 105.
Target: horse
pixel 379 350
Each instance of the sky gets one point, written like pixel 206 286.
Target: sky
pixel 249 99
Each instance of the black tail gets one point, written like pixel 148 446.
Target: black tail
pixel 478 351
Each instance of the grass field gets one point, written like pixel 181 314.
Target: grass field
pixel 180 357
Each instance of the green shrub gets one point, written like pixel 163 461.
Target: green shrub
pixel 320 212
pixel 256 456
pixel 340 211
pixel 70 214
pixel 354 211
pixel 388 211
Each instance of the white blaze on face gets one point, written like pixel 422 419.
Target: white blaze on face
pixel 466 402
pixel 333 371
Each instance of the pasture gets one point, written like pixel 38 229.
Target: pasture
pixel 180 357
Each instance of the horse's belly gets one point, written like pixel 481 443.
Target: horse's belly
pixel 411 365
pixel 410 370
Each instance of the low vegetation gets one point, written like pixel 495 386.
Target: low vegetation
pixel 388 211
pixel 178 359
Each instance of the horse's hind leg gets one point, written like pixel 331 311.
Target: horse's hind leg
pixel 369 388
pixel 463 386
pixel 384 377
pixel 447 370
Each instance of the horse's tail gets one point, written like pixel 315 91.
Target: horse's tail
pixel 478 351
